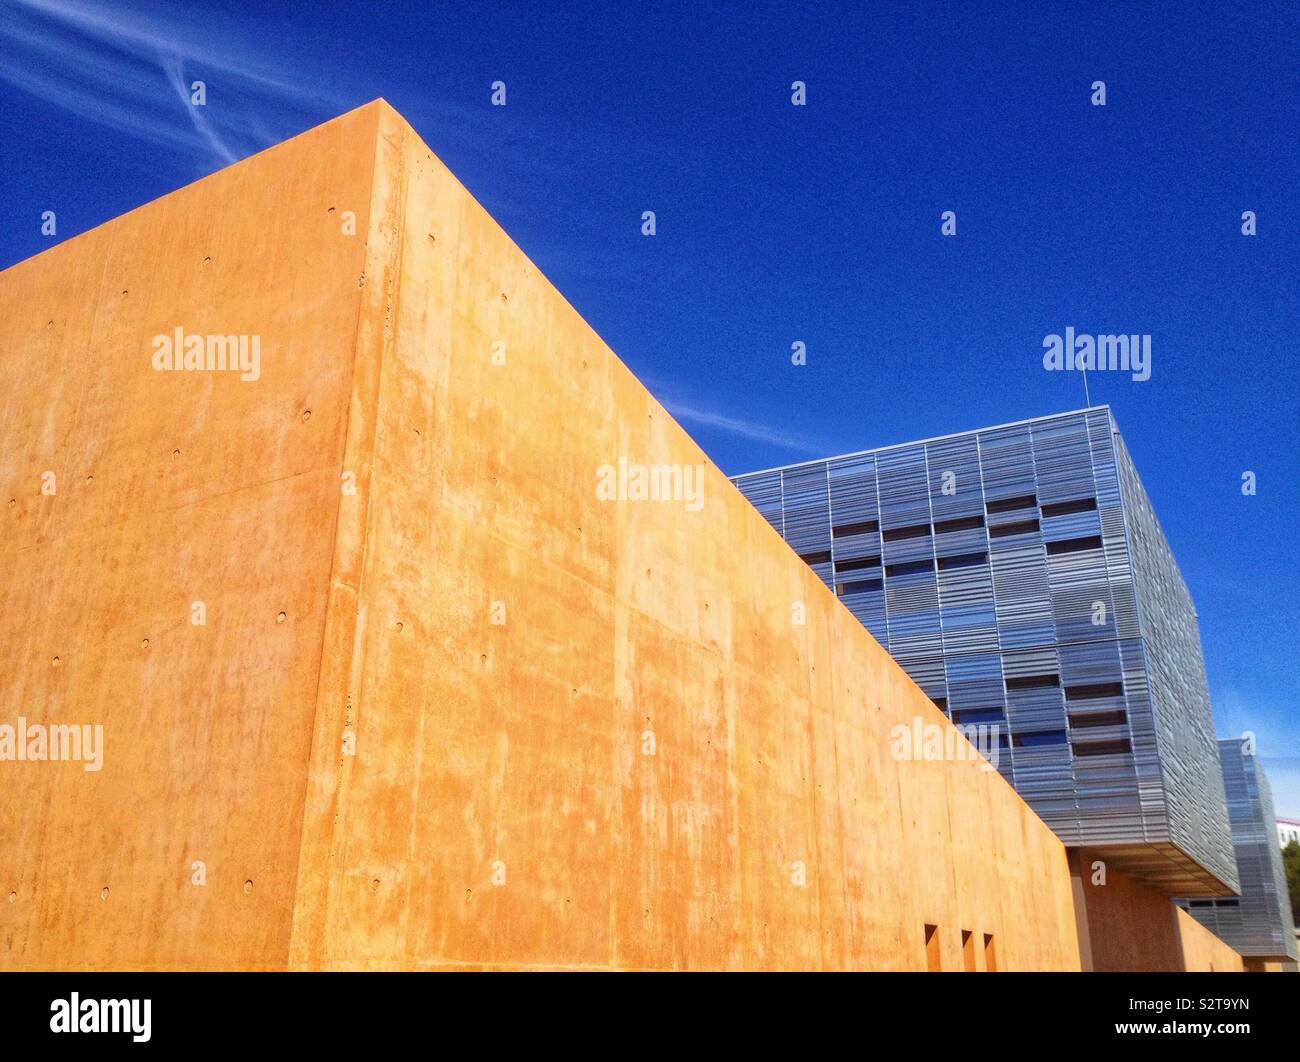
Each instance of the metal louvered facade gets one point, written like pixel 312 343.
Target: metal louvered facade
pixel 1018 574
pixel 1258 923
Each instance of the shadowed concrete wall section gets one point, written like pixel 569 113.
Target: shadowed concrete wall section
pixel 1134 928
pixel 500 809
pixel 171 489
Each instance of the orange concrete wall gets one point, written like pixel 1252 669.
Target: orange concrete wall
pixel 499 809
pixel 519 745
pixel 173 488
pixel 1134 928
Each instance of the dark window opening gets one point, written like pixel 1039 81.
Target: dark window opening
pixel 897 534
pixel 1201 903
pixel 865 527
pixel 1103 748
pixel 1006 505
pixel 1033 682
pixel 910 568
pixel 821 557
pixel 1227 903
pixel 941 703
pixel 860 586
pixel 1079 505
pixel 857 565
pixel 1095 689
pixel 977 715
pixel 965 560
pixel 963 523
pixel 1020 527
pixel 1073 545
pixel 1083 722
pixel 1038 738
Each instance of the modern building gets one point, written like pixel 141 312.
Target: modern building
pixel 1258 924
pixel 452 706
pixel 1019 574
pixel 1288 830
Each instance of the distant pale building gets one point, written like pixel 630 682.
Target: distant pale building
pixel 1288 830
pixel 1258 923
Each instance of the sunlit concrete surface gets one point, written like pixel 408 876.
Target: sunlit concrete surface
pixel 448 705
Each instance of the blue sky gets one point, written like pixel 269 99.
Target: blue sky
pixel 818 224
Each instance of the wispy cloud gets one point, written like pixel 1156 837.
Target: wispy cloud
pixel 747 429
pixel 693 413
pixel 132 72
pixel 172 66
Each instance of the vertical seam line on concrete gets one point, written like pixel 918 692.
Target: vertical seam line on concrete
pixel 387 337
pixel 316 933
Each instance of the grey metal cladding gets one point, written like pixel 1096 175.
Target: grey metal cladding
pixel 1180 696
pixel 996 567
pixel 1259 922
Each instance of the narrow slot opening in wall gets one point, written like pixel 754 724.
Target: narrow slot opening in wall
pixel 932 960
pixel 990 954
pixel 968 950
